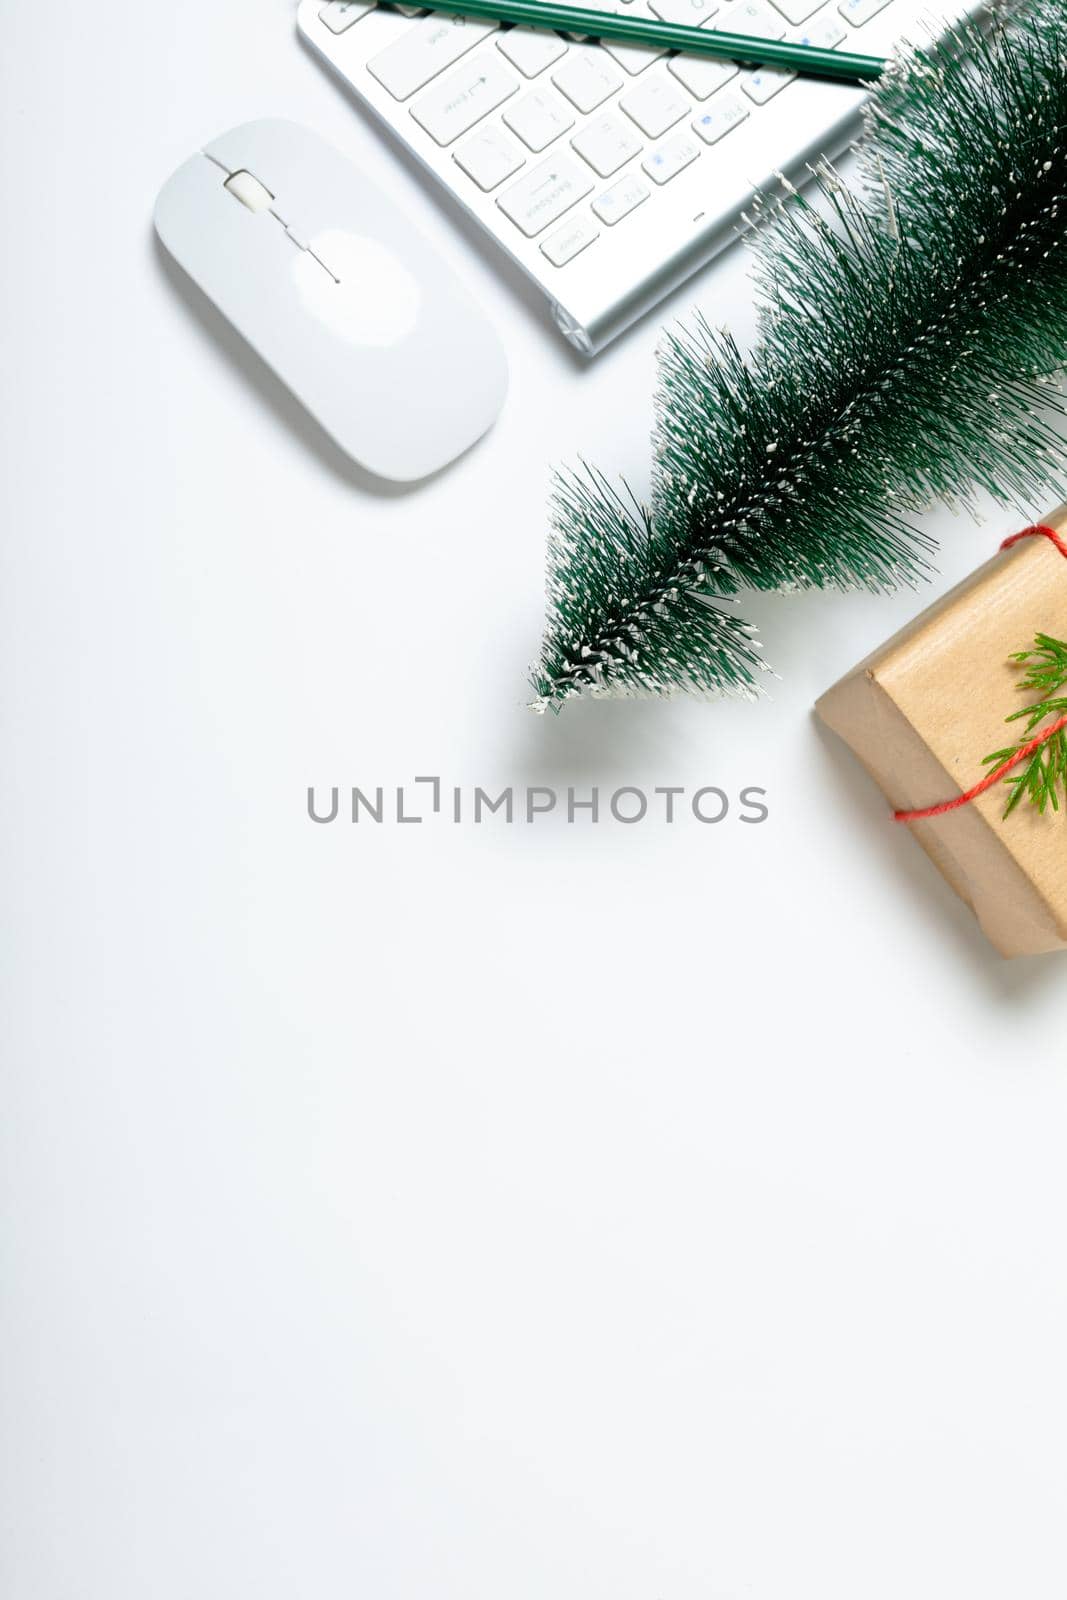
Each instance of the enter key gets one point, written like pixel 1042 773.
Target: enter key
pixel 463 99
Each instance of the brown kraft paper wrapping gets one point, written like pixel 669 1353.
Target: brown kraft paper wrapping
pixel 922 712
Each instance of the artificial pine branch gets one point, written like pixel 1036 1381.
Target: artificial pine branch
pixel 1045 772
pixel 910 348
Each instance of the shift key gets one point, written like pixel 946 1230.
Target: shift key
pixel 545 194
pixel 424 50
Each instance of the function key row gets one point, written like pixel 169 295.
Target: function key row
pixel 436 41
pixel 534 50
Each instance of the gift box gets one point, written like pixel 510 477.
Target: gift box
pixel 922 713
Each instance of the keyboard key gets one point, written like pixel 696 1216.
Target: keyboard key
pixel 764 83
pixel 545 194
pixel 724 113
pixel 571 239
pixel 489 158
pixel 752 17
pixel 587 79
pixel 797 11
pixel 701 77
pixel 531 50
pixel 687 13
pixel 671 158
pixel 825 33
pixel 538 118
pixel 607 144
pixel 622 198
pixel 656 104
pixel 634 58
pixel 860 11
pixel 463 98
pixel 340 14
pixel 424 50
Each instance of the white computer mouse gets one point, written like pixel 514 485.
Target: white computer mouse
pixel 339 293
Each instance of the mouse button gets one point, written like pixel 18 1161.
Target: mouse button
pixel 193 211
pixel 240 260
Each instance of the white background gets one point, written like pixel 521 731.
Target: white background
pixel 454 1213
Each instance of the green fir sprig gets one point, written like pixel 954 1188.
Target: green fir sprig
pixel 1044 774
pixel 913 331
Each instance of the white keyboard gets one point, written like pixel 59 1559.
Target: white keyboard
pixel 609 171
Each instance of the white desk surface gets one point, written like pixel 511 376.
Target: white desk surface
pixel 452 1212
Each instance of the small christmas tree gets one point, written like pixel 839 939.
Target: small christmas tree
pixel 910 346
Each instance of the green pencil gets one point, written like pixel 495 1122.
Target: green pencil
pixel 803 58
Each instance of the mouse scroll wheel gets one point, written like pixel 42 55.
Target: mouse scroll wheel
pixel 248 189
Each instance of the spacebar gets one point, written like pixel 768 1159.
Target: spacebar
pixel 544 194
